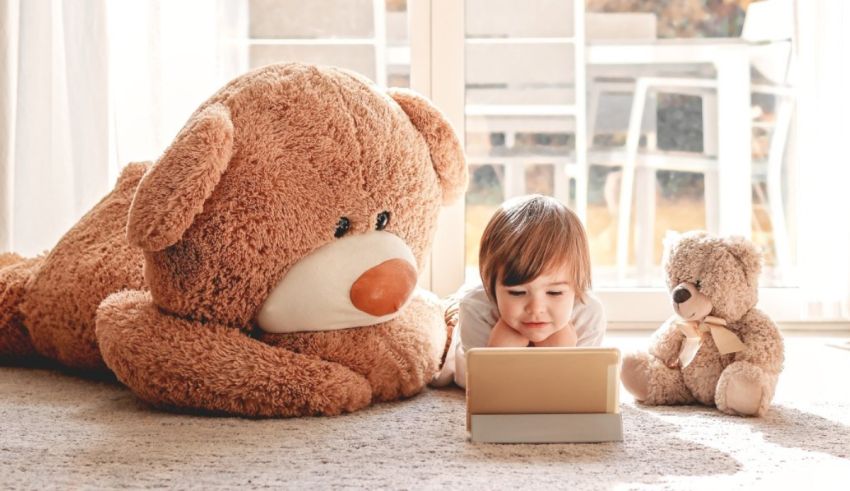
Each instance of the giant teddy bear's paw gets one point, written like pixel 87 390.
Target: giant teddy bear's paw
pixel 398 357
pixel 744 389
pixel 173 362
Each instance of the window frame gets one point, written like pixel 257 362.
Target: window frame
pixel 437 33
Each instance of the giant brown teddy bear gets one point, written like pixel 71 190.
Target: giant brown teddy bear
pixel 265 265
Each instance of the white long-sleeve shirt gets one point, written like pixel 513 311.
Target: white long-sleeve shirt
pixel 478 314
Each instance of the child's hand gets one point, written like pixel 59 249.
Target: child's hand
pixel 565 337
pixel 504 336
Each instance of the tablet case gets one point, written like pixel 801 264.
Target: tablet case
pixel 543 395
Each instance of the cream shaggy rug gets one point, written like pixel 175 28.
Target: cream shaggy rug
pixel 59 431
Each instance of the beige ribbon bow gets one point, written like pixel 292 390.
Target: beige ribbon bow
pixel 726 340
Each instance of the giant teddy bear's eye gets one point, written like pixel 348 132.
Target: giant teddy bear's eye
pixel 698 284
pixel 342 227
pixel 383 220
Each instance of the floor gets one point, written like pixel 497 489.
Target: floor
pixel 59 431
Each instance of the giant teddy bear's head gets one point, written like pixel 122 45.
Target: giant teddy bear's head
pixel 296 198
pixel 709 275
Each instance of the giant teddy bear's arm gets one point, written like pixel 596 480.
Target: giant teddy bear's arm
pixel 666 342
pixel 763 342
pixel 397 357
pixel 176 363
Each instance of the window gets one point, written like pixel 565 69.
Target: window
pixel 524 101
pixel 367 36
pixel 526 130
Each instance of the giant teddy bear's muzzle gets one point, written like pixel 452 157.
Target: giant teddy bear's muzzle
pixel 358 280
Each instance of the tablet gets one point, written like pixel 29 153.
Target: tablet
pixel 542 381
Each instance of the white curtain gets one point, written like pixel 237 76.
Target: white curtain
pixel 824 157
pixel 54 77
pixel 166 57
pixel 88 86
pixel 9 18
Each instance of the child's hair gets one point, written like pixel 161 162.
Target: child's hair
pixel 525 237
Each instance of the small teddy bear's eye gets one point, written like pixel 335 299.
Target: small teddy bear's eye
pixel 383 220
pixel 342 227
pixel 698 284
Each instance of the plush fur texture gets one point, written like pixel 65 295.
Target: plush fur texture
pixel 48 303
pixel 91 261
pixel 16 272
pixel 724 273
pixel 258 178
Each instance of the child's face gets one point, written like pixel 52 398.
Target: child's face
pixel 539 308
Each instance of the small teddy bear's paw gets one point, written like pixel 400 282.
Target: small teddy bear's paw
pixel 743 396
pixel 634 375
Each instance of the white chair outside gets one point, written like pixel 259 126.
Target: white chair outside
pixel 518 100
pixel 768 26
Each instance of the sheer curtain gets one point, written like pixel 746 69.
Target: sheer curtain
pixel 87 87
pixel 166 57
pixel 9 18
pixel 824 157
pixel 53 117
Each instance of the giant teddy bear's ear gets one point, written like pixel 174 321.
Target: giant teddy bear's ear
pixel 174 190
pixel 446 152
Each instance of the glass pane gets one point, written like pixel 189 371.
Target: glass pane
pixel 520 106
pixel 501 73
pixel 521 127
pixel 484 195
pixel 774 226
pixel 684 18
pixel 519 19
pixel 320 19
pixel 676 183
pixel 334 32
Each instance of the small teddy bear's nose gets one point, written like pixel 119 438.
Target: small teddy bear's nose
pixel 681 294
pixel 383 289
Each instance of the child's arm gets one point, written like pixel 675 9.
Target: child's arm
pixel 503 336
pixel 565 337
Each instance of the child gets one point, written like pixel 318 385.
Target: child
pixel 535 271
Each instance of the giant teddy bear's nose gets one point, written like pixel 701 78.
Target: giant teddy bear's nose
pixel 383 289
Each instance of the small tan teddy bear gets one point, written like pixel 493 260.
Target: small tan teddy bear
pixel 718 349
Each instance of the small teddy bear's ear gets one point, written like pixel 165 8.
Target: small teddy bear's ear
pixel 746 253
pixel 446 152
pixel 174 190
pixel 670 238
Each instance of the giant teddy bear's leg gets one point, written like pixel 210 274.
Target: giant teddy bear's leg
pixel 92 260
pixel 398 357
pixel 15 273
pixel 652 382
pixel 176 363
pixel 745 389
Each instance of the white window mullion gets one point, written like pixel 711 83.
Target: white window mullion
pixel 437 71
pixel 379 18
